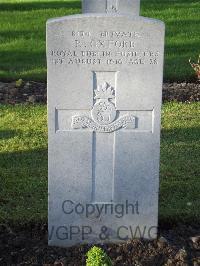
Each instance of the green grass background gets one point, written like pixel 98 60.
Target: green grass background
pixel 23 164
pixel 22 35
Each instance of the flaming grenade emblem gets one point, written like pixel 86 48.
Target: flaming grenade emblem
pixel 103 114
pixel 104 111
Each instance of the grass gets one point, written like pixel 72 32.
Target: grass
pixel 23 163
pixel 180 163
pixel 22 35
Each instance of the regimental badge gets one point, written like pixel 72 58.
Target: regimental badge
pixel 103 113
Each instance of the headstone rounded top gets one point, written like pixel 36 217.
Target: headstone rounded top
pixel 129 7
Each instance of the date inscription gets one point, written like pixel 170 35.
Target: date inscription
pixel 105 48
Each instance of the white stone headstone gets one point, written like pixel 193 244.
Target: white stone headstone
pixel 131 7
pixel 105 75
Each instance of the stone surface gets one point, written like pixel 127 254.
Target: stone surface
pixel 129 7
pixel 104 102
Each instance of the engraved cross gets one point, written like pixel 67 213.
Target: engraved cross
pixel 130 7
pixel 104 121
pixel 111 6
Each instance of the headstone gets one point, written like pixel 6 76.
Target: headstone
pixel 104 103
pixel 131 7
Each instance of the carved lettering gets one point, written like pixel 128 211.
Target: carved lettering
pixel 105 48
pixel 79 122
